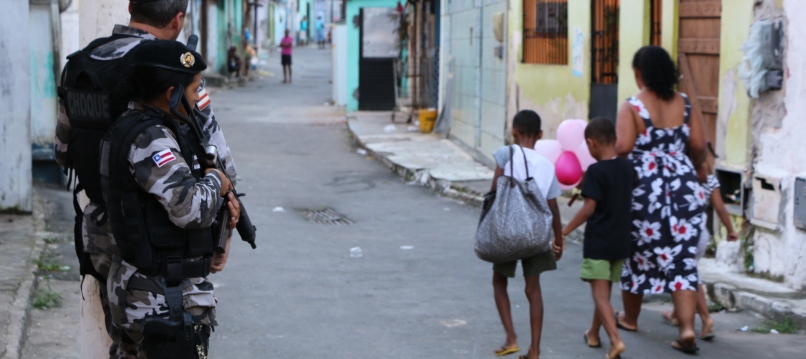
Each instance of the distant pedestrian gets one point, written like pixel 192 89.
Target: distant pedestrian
pixel 320 32
pixel 250 56
pixel 233 62
pixel 303 31
pixel 607 189
pixel 526 130
pixel 712 193
pixel 665 139
pixel 287 44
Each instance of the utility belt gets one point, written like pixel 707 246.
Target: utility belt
pixel 175 268
pixel 177 336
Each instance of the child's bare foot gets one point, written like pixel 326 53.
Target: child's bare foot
pixel 616 350
pixel 592 341
pixel 530 355
pixel 707 329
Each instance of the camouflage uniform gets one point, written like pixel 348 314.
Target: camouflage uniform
pixel 190 204
pixel 97 234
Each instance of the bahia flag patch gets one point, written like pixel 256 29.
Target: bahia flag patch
pixel 204 99
pixel 163 157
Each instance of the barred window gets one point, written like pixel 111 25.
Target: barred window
pixel 545 32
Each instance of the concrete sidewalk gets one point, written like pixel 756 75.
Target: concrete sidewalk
pixel 438 163
pixel 21 244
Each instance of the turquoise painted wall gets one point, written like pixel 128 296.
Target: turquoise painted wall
pixel 230 29
pixel 353 42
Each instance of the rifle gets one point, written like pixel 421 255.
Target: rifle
pixel 244 225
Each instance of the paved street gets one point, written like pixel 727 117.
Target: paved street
pixel 301 295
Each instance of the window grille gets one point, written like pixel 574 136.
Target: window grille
pixel 656 20
pixel 605 42
pixel 545 32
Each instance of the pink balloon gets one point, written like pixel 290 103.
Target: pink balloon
pixel 568 168
pixel 550 149
pixel 584 156
pixel 571 133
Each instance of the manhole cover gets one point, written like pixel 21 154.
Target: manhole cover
pixel 325 216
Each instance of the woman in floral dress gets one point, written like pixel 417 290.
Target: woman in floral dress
pixel 658 130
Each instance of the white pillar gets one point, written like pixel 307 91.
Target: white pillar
pixel 15 102
pixel 96 19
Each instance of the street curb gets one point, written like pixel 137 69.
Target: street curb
pixel 442 187
pixel 423 177
pixel 733 297
pixel 21 306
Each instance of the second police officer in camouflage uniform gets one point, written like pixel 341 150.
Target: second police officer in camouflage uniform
pixel 162 204
pixel 97 76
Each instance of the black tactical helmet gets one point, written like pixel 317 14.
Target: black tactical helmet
pixel 169 55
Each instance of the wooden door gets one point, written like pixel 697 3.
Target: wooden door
pixel 698 57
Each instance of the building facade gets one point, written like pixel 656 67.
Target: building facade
pixel 571 59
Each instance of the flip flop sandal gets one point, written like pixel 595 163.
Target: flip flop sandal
pixel 506 351
pixel 618 324
pixel 588 343
pixel 682 348
pixel 708 337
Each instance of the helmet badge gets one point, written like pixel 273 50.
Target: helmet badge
pixel 187 59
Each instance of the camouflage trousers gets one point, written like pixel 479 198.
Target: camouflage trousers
pixel 120 341
pixel 133 297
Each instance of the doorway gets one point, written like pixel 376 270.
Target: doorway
pixel 698 57
pixel 379 48
pixel 604 58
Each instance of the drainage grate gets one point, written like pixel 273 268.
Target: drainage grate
pixel 325 216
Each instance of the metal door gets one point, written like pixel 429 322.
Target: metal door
pixel 604 58
pixel 379 47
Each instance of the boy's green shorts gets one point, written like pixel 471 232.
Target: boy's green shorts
pixel 600 269
pixel 532 266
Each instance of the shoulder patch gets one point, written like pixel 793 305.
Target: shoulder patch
pixel 204 99
pixel 163 157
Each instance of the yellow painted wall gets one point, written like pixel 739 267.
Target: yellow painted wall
pixel 734 104
pixel 634 28
pixel 553 91
pixel 633 34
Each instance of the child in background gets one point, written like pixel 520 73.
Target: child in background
pixel 287 45
pixel 526 131
pixel 712 193
pixel 607 188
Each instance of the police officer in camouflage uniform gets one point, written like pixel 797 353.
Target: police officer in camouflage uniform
pixel 162 203
pixel 92 96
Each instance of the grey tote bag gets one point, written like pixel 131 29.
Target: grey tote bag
pixel 515 220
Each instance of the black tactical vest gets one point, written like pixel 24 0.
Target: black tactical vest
pixel 95 92
pixel 145 235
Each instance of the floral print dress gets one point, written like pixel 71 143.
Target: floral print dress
pixel 667 210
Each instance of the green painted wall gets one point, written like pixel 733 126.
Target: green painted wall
pixel 734 104
pixel 353 44
pixel 230 29
pixel 553 91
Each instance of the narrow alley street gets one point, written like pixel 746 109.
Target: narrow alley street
pixel 301 295
pixel 417 291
